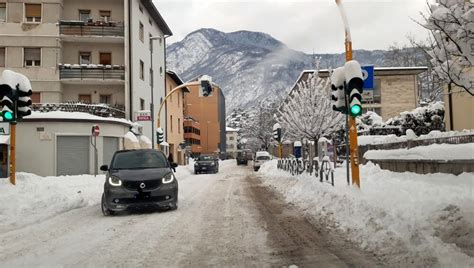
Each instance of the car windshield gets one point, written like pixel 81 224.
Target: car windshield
pixel 138 160
pixel 263 157
pixel 205 158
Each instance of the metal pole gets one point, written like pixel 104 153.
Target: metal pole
pixel 12 153
pixel 152 104
pixel 96 160
pixel 450 101
pixel 347 143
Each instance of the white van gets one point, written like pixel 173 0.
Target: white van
pixel 260 158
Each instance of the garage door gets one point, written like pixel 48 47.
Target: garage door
pixel 72 155
pixel 111 145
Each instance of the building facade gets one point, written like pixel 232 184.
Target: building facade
pixel 175 117
pixel 192 135
pixel 94 52
pixel 459 109
pixel 231 143
pixel 395 90
pixel 210 113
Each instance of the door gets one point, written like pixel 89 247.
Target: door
pixel 105 58
pixel 85 98
pixel 111 144
pixel 72 155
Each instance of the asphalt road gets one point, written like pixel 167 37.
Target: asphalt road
pixel 225 219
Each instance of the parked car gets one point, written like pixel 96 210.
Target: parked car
pixel 260 158
pixel 139 178
pixel 206 163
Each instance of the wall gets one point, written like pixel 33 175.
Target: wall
pixel 174 108
pixel 141 51
pixel 72 7
pixel 398 94
pixel 71 92
pixel 38 156
pixel 463 109
pixel 70 52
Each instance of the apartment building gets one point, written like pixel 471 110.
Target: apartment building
pixel 192 135
pixel 88 51
pixel 395 90
pixel 175 117
pixel 231 136
pixel 210 113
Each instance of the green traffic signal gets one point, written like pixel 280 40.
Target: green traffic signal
pixel 7 116
pixel 356 110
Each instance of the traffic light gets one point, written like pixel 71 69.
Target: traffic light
pixel 337 90
pixel 205 88
pixel 277 134
pixel 160 135
pixel 23 93
pixel 354 86
pixel 7 96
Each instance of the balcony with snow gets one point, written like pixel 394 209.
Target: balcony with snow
pixel 92 73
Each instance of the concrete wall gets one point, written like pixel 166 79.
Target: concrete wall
pixel 36 152
pixel 70 52
pixel 141 89
pixel 72 92
pixel 72 7
pixel 455 167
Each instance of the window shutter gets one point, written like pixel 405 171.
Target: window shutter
pixel 32 54
pixel 33 10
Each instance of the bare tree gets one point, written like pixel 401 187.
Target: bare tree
pixel 450 48
pixel 307 112
pixel 257 131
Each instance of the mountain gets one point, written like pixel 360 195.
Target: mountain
pixel 249 66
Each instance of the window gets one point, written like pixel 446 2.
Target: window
pixel 35 97
pixel 3 12
pixel 231 138
pixel 472 45
pixel 142 104
pixel 141 9
pixel 32 56
pixel 161 71
pixel 179 125
pixel 149 21
pixel 2 57
pixel 84 58
pixel 85 98
pixel 142 68
pixel 171 123
pixel 84 15
pixel 105 58
pixel 178 98
pixel 104 15
pixel 171 96
pixel 33 12
pixel 141 32
pixel 107 99
pixel 151 42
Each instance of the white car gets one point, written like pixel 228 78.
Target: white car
pixel 260 158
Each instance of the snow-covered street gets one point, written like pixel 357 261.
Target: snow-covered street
pixel 239 217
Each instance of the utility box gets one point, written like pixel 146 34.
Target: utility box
pixel 297 149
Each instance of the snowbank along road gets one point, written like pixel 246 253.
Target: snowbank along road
pixel 224 219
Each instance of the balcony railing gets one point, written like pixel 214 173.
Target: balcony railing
pixel 91 72
pixel 99 28
pixel 103 110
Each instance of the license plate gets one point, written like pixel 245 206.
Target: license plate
pixel 204 168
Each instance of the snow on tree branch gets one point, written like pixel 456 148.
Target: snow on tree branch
pixel 307 112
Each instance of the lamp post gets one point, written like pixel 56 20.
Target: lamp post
pixel 152 82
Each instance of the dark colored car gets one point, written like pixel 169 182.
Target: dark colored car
pixel 206 163
pixel 139 178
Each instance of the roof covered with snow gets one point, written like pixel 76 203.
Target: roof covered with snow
pixel 74 116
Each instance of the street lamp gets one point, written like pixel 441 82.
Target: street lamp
pixel 152 82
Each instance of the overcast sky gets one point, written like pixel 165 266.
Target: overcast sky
pixel 304 25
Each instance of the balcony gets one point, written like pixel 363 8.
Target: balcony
pixel 99 31
pixel 101 109
pixel 92 72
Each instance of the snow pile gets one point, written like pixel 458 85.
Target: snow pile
pixel 430 152
pixel 406 219
pixel 435 134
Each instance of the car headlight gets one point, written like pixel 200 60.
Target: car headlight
pixel 168 178
pixel 196 164
pixel 213 164
pixel 115 181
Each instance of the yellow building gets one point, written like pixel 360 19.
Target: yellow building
pixel 174 107
pixel 462 109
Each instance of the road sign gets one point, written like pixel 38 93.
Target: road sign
pixel 143 115
pixel 95 130
pixel 368 73
pixel 4 128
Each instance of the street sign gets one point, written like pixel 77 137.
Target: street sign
pixel 368 73
pixel 4 128
pixel 143 115
pixel 95 130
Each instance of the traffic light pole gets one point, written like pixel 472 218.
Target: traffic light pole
pixel 352 123
pixel 12 153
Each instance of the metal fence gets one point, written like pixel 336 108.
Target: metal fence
pixel 297 166
pixel 92 73
pixel 102 110
pixel 91 30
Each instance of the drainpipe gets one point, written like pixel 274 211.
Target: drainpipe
pixel 130 59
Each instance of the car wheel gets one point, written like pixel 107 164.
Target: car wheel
pixel 105 210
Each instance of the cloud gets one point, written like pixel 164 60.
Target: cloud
pixel 301 24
